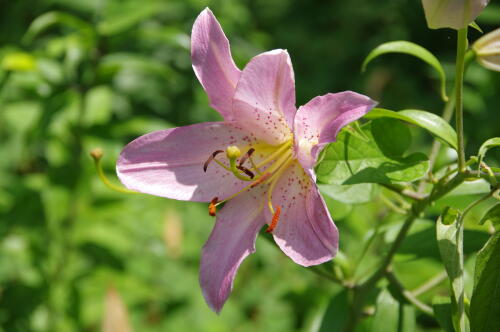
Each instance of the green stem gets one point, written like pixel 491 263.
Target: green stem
pixel 104 179
pixel 459 83
pixel 361 291
pixel 447 113
pixel 431 283
pixel 407 295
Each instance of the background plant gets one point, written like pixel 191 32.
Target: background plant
pixel 77 75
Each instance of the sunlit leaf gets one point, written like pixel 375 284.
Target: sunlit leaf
pixel 450 242
pixel 351 160
pixel 350 194
pixel 18 61
pixel 429 121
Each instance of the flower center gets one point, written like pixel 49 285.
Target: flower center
pixel 266 171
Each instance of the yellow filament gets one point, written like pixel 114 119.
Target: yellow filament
pixel 276 153
pixel 274 179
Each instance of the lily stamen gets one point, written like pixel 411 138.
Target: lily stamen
pixel 212 207
pixel 210 159
pixel 274 221
pixel 246 171
pixel 246 156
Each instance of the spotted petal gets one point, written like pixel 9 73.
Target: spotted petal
pixel 169 163
pixel 213 63
pixel 305 230
pixel 231 240
pixel 319 121
pixel 264 100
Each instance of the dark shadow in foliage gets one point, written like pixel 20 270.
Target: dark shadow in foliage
pixel 425 241
pixel 100 255
pixel 16 311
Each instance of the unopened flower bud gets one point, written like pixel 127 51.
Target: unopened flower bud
pixel 487 50
pixel 233 152
pixel 455 14
pixel 96 154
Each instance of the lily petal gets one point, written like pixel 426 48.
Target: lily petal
pixel 456 14
pixel 169 163
pixel 305 231
pixel 264 100
pixel 231 241
pixel 319 121
pixel 213 63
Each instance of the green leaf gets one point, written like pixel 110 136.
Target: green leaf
pixel 442 311
pixel 492 215
pixel 474 25
pixel 392 315
pixel 98 102
pixel 450 242
pixel 355 129
pixel 45 21
pixel 489 144
pixel 350 194
pixel 116 22
pixel 351 160
pixel 336 313
pixel 410 48
pixel 485 302
pixel 426 120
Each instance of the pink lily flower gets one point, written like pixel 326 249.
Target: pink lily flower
pixel 259 161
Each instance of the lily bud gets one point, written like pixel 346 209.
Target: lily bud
pixel 487 50
pixel 233 152
pixel 455 14
pixel 96 154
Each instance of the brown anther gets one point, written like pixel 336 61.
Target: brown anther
pixel 246 171
pixel 212 156
pixel 275 220
pixel 263 178
pixel 212 208
pixel 246 156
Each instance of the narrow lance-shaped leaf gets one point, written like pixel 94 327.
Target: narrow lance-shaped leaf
pixel 426 120
pixel 449 234
pixel 485 302
pixel 406 47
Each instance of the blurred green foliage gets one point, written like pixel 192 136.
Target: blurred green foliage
pixel 75 75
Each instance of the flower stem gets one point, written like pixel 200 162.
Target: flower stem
pixel 459 83
pixel 361 291
pixel 97 155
